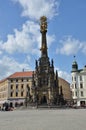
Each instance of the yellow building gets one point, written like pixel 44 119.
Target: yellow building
pixel 15 88
pixel 3 91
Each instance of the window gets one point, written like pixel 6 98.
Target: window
pixel 27 85
pixel 11 86
pixel 11 80
pixel 11 94
pixel 81 85
pixel 16 80
pixel 17 86
pixel 22 86
pixel 16 94
pixel 22 80
pixel 80 78
pixel 21 94
pixel 76 94
pixel 75 86
pixel 82 94
pixel 74 78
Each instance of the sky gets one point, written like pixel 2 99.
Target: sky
pixel 20 37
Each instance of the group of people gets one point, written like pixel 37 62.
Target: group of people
pixel 6 107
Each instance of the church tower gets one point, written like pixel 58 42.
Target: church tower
pixel 45 81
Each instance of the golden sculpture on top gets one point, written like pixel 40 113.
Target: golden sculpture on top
pixel 43 24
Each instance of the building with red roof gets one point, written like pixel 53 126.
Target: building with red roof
pixel 15 88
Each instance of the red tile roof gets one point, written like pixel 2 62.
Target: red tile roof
pixel 18 75
pixel 21 74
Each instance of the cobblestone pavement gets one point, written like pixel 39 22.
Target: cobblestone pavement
pixel 66 119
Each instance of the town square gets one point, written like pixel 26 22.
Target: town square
pixel 42 65
pixel 43 119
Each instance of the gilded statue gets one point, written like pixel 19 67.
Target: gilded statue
pixel 43 24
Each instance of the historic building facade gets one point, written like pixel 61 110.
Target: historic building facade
pixel 15 88
pixel 78 84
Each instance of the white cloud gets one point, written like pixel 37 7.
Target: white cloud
pixel 37 8
pixel 27 40
pixel 22 41
pixel 70 46
pixel 9 65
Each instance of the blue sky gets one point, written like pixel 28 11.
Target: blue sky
pixel 20 38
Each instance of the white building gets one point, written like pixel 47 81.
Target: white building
pixel 78 85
